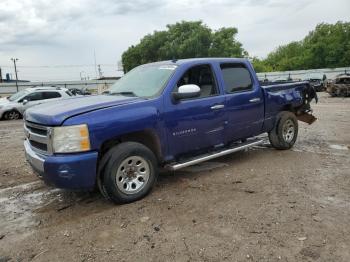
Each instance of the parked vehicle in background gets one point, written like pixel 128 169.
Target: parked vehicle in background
pixel 169 114
pixel 80 91
pixel 340 86
pixel 317 81
pixel 14 106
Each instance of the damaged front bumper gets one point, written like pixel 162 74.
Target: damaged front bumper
pixel 70 171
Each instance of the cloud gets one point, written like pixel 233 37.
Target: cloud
pixel 45 32
pixel 27 22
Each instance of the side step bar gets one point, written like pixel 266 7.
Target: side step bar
pixel 206 157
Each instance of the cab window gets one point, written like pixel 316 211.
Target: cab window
pixel 236 78
pixel 34 96
pixel 50 95
pixel 202 76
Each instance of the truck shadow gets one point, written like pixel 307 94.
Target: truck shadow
pixel 205 169
pixel 35 205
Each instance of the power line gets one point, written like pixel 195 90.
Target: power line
pixel 61 66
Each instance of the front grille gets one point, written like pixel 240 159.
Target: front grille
pixel 38 137
pixel 40 146
pixel 42 132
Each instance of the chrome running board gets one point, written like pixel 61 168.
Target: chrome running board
pixel 202 158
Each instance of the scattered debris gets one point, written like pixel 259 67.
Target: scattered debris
pixel 63 207
pixel 339 147
pixel 144 219
pixel 255 232
pixel 317 218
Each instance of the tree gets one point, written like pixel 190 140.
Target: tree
pixel 224 44
pixel 327 46
pixel 183 40
pixel 260 65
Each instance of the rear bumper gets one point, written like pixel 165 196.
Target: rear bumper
pixel 70 171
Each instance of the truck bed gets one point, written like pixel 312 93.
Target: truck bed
pixel 294 97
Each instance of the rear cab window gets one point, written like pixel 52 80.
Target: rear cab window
pixel 237 78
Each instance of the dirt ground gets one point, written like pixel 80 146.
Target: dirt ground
pixel 257 205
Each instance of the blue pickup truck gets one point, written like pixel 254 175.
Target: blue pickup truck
pixel 169 114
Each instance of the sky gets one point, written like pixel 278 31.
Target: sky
pixel 60 39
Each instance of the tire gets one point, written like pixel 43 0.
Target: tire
pixel 12 115
pixel 130 172
pixel 285 132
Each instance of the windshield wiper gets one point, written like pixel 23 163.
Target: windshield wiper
pixel 124 93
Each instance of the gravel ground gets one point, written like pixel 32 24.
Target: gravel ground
pixel 257 205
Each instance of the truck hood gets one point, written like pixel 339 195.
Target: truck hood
pixel 55 113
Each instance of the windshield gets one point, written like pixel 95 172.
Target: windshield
pixel 143 81
pixel 18 95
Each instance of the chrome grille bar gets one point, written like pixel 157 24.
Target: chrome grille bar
pixel 38 137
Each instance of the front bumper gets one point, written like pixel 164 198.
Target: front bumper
pixel 70 171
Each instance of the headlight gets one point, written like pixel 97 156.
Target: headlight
pixel 70 139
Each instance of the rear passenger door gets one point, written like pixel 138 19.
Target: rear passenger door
pixel 243 102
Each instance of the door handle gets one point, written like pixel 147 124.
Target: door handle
pixel 217 107
pixel 253 100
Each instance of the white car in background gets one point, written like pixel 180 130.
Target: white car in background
pixel 13 107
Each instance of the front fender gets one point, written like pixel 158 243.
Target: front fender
pixel 109 123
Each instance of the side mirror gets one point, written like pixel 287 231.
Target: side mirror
pixel 25 101
pixel 187 91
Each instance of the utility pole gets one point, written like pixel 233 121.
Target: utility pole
pixel 81 75
pixel 95 64
pixel 100 71
pixel 0 75
pixel 14 63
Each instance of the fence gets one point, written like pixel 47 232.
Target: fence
pixel 330 73
pixel 94 86
pixel 98 86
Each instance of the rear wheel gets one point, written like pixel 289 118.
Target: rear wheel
pixel 130 172
pixel 12 115
pixel 285 131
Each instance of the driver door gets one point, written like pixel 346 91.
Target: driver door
pixel 33 99
pixel 197 123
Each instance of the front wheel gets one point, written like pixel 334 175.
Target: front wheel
pixel 12 115
pixel 285 132
pixel 130 172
